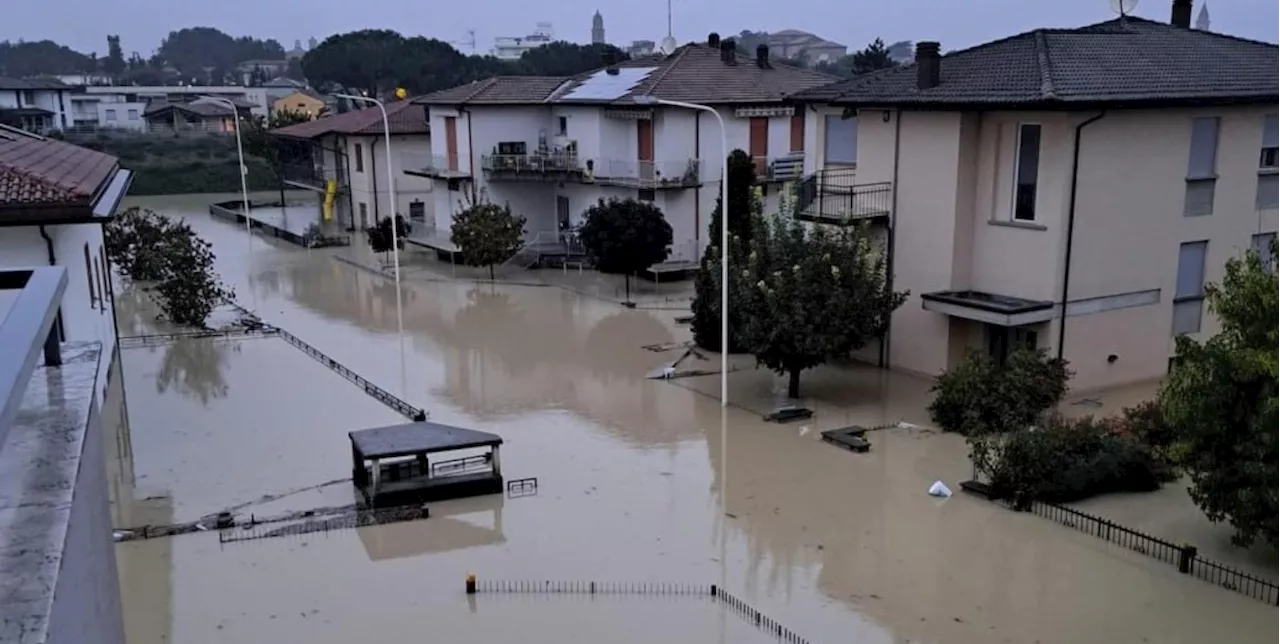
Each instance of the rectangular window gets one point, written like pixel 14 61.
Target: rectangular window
pixel 1203 160
pixel 1266 198
pixel 797 133
pixel 111 115
pixel 1270 142
pixel 564 126
pixel 133 115
pixel 88 276
pixel 102 289
pixel 1198 201
pixel 417 210
pixel 359 158
pixel 841 140
pixel 364 215
pixel 1026 172
pixel 1188 295
pixel 106 272
pixel 1262 246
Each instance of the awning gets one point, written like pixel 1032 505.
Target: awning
pixel 1001 310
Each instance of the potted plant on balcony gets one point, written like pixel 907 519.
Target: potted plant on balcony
pixel 690 177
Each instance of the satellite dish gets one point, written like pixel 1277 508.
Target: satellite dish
pixel 1123 7
pixel 668 45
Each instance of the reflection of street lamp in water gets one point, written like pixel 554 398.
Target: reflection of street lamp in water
pixel 244 186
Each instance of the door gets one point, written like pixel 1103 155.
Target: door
pixel 562 212
pixel 644 151
pixel 758 144
pixel 451 141
pixel 797 133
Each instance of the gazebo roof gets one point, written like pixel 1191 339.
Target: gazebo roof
pixel 418 438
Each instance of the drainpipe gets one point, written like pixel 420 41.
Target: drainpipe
pixel 373 169
pixel 890 237
pixel 53 261
pixel 1071 228
pixel 471 154
pixel 697 189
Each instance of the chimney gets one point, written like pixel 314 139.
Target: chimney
pixel 928 74
pixel 610 64
pixel 728 52
pixel 713 39
pixel 762 56
pixel 1181 16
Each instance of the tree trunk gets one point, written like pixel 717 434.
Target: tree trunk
pixel 491 278
pixel 626 280
pixel 793 383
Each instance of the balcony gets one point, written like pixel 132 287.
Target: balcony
pixel 646 175
pixel 311 176
pixel 832 196
pixel 554 167
pixel 779 169
pixel 436 166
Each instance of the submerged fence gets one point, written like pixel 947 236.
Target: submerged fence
pixel 1184 557
pixel 712 591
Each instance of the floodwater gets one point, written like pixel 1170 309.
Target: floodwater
pixel 639 481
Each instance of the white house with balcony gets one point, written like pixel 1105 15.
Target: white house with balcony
pixel 35 105
pixel 551 147
pixel 1067 189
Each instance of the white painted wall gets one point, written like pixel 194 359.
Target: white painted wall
pixel 371 186
pixel 56 101
pixel 126 115
pixel 85 318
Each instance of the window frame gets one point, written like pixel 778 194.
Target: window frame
pixel 1263 190
pixel 359 154
pixel 1263 251
pixel 88 275
pixel 1269 155
pixel 562 125
pixel 827 159
pixel 1017 171
pixel 110 114
pixel 1185 301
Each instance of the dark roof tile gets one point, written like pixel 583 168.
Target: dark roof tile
pixel 36 171
pixel 403 117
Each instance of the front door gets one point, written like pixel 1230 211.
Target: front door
pixel 1003 340
pixel 562 212
pixel 451 141
pixel 758 144
pixel 644 151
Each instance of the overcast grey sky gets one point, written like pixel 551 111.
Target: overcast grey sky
pixel 83 24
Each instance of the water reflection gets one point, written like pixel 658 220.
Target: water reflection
pixel 193 367
pixel 454 525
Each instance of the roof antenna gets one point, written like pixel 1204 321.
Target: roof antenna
pixel 1123 8
pixel 668 43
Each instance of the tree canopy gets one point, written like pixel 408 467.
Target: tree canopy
pixel 193 49
pixel 21 59
pixel 744 208
pixel 487 234
pixel 1220 402
pixel 810 295
pixel 873 57
pixel 625 236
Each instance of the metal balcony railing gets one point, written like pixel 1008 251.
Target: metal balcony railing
pixel 632 173
pixel 833 196
pixel 779 169
pixel 439 166
pixel 309 174
pixel 28 330
pixel 557 163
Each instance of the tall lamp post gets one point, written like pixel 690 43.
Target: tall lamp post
pixel 724 234
pixel 391 181
pixel 244 170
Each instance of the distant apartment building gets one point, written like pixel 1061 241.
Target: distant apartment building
pixel 639 48
pixel 794 44
pixel 37 106
pixel 1066 189
pixel 349 165
pixel 200 115
pixel 512 47
pixel 553 146
pixel 254 97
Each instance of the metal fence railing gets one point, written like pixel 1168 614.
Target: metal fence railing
pixel 1185 557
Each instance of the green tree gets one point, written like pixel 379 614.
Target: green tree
pixel 981 396
pixel 170 258
pixel 566 59
pixel 364 60
pixel 113 64
pixel 811 295
pixel 744 206
pixel 625 236
pixel 380 238
pixel 487 234
pixel 874 57
pixel 276 151
pixel 21 59
pixel 1220 402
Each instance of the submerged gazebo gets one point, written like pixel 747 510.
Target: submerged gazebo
pixel 394 464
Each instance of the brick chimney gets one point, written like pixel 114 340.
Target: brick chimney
pixel 729 52
pixel 762 56
pixel 713 39
pixel 1181 15
pixel 928 64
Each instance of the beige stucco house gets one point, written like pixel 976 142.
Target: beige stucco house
pixel 301 102
pixel 1106 172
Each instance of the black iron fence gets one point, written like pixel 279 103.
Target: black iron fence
pixel 833 196
pixel 1184 557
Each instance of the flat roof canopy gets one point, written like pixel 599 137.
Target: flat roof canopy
pixel 992 308
pixel 418 438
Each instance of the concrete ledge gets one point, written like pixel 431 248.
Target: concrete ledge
pixel 59 584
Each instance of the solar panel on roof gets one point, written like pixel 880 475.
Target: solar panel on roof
pixel 603 86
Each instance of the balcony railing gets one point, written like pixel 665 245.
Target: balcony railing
pixel 311 175
pixel 436 166
pixel 833 196
pixel 534 167
pixel 650 175
pixel 779 169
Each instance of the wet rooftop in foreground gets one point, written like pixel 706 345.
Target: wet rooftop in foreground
pixel 637 482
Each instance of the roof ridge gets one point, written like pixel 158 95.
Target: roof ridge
pixel 1156 23
pixel 1046 67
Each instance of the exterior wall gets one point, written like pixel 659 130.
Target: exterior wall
pixel 297 102
pixel 255 95
pixel 127 115
pixel 56 101
pixel 371 186
pixel 84 318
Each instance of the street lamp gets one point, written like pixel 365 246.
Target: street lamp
pixel 724 234
pixel 244 186
pixel 391 181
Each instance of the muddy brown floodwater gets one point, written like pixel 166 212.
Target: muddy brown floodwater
pixel 639 480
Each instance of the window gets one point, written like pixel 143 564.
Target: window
pixel 1202 164
pixel 102 291
pixel 1262 246
pixel 359 159
pixel 563 126
pixel 841 140
pixel 1266 198
pixel 417 210
pixel 133 115
pixel 364 215
pixel 29 97
pixel 88 276
pixel 1188 296
pixel 111 115
pixel 647 195
pixel 1002 340
pixel 1026 172
pixel 1270 138
pixel 106 272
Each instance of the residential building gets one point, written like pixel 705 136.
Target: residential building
pixel 639 48
pixel 349 162
pixel 597 29
pixel 1067 189
pixel 54 199
pixel 512 48
pixel 553 146
pixel 282 86
pixel 255 97
pixel 300 101
pixel 794 44
pixel 34 105
pixel 201 115
pixel 106 111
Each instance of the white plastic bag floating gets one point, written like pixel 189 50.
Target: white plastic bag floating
pixel 940 489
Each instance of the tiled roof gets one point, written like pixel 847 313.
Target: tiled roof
pixel 199 108
pixel 404 117
pixel 1123 61
pixel 7 83
pixel 693 73
pixel 36 171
